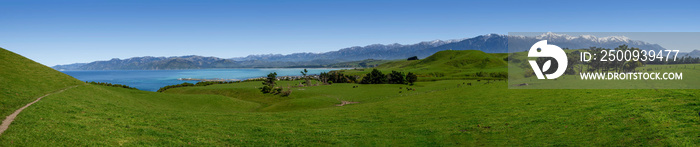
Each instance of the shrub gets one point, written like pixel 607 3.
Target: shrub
pixel 265 89
pixel 287 92
pixel 277 90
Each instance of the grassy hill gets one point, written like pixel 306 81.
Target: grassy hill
pixel 23 80
pixel 438 113
pixel 447 112
pixel 448 64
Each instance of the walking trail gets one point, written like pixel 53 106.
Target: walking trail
pixel 343 103
pixel 8 120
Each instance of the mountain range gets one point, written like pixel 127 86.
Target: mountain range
pixel 490 43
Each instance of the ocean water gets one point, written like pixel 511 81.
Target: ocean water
pixel 152 80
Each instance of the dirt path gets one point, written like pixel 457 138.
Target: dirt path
pixel 343 103
pixel 8 120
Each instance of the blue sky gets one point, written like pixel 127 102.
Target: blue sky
pixel 62 32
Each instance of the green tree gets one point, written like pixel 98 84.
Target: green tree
pixel 269 83
pixel 374 77
pixel 324 77
pixel 397 77
pixel 307 81
pixel 411 78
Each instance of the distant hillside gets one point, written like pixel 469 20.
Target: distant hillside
pixel 23 80
pixel 448 64
pixel 185 62
pixel 451 59
pixel 694 53
pixel 69 66
pixel 374 51
pixel 491 43
pixel 360 64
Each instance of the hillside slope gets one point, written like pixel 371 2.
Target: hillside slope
pixel 448 64
pixel 23 80
pixel 452 59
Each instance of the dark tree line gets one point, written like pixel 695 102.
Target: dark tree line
pixel 110 84
pixel 175 86
pixel 336 77
pixel 395 77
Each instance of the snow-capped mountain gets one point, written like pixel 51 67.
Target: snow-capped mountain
pixel 582 41
pixel 591 38
pixel 490 43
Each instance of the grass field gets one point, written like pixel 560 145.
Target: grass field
pixel 438 113
pixel 482 114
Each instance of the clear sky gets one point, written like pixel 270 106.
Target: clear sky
pixel 61 32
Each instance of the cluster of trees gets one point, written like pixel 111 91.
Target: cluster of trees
pixel 203 83
pixel 411 78
pixel 110 84
pixel 336 77
pixel 269 85
pixel 395 77
pixel 374 77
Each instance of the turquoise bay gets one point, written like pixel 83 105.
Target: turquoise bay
pixel 152 80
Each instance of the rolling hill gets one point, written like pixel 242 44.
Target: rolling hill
pixel 448 64
pixel 445 112
pixel 23 80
